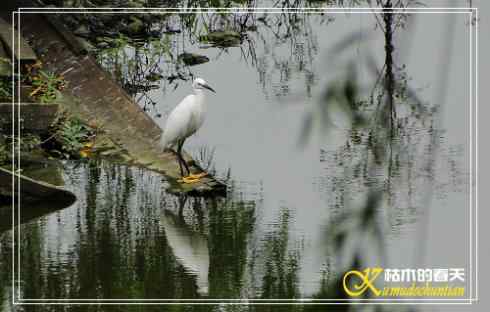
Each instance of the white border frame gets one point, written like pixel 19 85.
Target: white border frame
pixel 381 301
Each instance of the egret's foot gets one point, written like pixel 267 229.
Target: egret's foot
pixel 192 178
pixel 198 175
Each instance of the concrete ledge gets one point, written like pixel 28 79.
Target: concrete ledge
pixel 24 52
pixel 32 190
pixel 34 117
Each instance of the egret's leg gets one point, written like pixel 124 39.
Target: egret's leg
pixel 190 178
pixel 181 159
pixel 180 165
pixel 185 178
pixel 178 161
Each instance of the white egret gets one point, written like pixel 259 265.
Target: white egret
pixel 185 119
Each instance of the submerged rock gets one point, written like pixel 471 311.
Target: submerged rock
pixel 102 45
pixel 82 31
pixel 170 30
pixel 85 44
pixel 222 39
pixel 136 26
pixel 105 42
pixel 192 59
pixel 153 77
pixel 103 39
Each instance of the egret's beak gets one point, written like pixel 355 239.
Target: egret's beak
pixel 208 87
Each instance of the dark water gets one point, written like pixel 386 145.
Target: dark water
pixel 291 190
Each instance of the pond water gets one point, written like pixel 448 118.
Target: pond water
pixel 289 189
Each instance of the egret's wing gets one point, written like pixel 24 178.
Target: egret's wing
pixel 190 249
pixel 178 122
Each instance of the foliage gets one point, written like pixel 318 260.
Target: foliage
pixel 46 86
pixel 27 143
pixel 137 67
pixel 74 137
pixel 5 89
pixel 280 278
pixel 4 152
pixel 70 138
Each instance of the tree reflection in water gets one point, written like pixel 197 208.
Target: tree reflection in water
pixel 130 236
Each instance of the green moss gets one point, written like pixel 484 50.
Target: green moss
pixel 227 38
pixel 4 154
pixel 136 26
pixel 191 59
pixel 5 89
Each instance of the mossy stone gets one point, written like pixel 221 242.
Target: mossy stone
pixel 192 59
pixel 136 26
pixel 227 38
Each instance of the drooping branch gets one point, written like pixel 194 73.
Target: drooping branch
pixel 389 76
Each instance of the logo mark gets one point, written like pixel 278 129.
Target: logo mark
pixel 365 279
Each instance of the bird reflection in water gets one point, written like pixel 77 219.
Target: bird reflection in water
pixel 188 245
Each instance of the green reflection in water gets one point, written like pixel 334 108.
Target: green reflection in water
pixel 281 264
pixel 113 243
pixel 229 227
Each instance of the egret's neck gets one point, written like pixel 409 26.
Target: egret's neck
pixel 200 100
pixel 200 95
pixel 199 92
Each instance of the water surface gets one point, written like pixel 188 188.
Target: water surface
pixel 271 237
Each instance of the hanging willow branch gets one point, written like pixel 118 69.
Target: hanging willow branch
pixel 389 77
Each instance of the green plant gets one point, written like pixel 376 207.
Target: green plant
pixel 4 152
pixel 73 136
pixel 5 89
pixel 27 143
pixel 46 86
